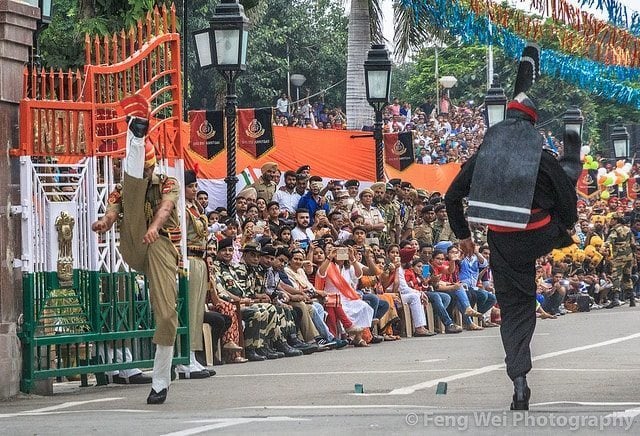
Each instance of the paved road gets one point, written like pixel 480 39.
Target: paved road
pixel 586 378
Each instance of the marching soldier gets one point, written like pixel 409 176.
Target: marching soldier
pixel 150 235
pixel 622 245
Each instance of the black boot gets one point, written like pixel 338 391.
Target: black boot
pixel 266 353
pixel 157 397
pixel 521 394
pixel 632 299
pixel 285 348
pixel 253 356
pixel 306 348
pixel 270 349
pixel 138 126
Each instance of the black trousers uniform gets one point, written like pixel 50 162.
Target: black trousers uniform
pixel 514 253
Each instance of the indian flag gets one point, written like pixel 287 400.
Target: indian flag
pixel 248 176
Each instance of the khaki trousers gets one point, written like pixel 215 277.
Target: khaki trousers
pixel 198 282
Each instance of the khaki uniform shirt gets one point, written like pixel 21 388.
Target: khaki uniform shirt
pixel 265 190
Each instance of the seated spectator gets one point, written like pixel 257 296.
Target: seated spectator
pixel 340 277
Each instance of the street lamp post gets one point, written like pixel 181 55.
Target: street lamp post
pixel 620 140
pixel 495 103
pixel 298 80
pixel 573 120
pixel 377 78
pixel 447 83
pixel 223 46
pixel 46 12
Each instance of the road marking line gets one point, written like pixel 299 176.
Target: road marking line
pixel 586 369
pixel 485 369
pixel 587 403
pixel 431 360
pixel 228 422
pixel 342 406
pixel 288 374
pixel 444 338
pixel 59 406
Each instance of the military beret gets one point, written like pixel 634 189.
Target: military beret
pixel 189 177
pixel 422 193
pixel 406 185
pixel 272 203
pixel 395 182
pixel 225 243
pixel 390 187
pixel 303 168
pixel 350 183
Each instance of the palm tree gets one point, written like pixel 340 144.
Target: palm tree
pixel 365 27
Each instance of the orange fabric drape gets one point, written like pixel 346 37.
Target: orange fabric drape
pixel 333 154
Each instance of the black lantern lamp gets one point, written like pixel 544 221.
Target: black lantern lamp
pixel 377 77
pixel 495 103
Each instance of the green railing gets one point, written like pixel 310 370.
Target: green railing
pixel 78 329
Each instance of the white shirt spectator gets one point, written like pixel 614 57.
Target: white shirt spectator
pixel 298 234
pixel 282 105
pixel 288 201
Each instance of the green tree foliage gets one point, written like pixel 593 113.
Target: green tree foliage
pixel 313 33
pixel 415 82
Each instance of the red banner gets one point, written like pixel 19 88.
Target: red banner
pixel 255 131
pixel 587 186
pixel 207 133
pixel 398 150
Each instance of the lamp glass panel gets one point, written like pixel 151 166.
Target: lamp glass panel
pixel 495 113
pixel 203 47
pixel 227 46
pixel 620 147
pixel 573 127
pixel 46 8
pixel 245 41
pixel 378 84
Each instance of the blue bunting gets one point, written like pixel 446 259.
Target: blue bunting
pixel 617 14
pixel 584 73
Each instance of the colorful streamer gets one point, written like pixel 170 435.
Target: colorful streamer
pixel 617 14
pixel 584 73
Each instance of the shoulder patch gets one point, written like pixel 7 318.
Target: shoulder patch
pixel 115 196
pixel 168 185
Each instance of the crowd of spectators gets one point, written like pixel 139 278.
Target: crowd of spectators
pixel 362 260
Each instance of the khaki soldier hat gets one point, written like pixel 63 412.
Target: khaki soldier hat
pixel 267 166
pixel 379 186
pixel 422 193
pixel 365 191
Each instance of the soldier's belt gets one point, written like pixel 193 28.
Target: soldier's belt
pixel 174 234
pixel 196 251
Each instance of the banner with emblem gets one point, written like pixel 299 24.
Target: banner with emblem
pixel 633 187
pixel 398 150
pixel 587 186
pixel 207 133
pixel 255 131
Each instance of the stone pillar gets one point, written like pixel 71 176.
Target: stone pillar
pixel 17 24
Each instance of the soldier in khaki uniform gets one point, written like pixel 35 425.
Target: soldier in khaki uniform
pixel 423 232
pixel 441 228
pixel 266 186
pixel 622 245
pixel 384 201
pixel 197 237
pixel 149 231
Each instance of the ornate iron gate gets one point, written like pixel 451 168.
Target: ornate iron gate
pixel 84 310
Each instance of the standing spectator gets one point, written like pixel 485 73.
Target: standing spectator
pixel 288 196
pixel 282 105
pixel 312 200
pixel 266 185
